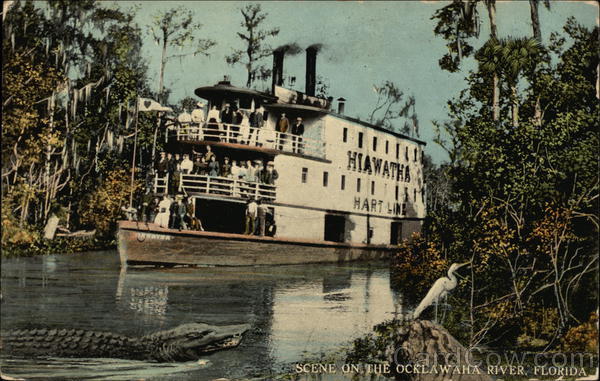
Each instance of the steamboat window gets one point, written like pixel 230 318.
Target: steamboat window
pixel 304 174
pixel 406 153
pixel 396 193
pixel 360 140
pixel 325 178
pixel 345 135
pixel 405 194
pixel 343 182
pixel 358 185
pixel 415 194
pixel 374 143
pixel 372 187
pixel 387 146
pixel 397 150
pixel 415 154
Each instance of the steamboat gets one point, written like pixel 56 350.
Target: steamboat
pixel 345 189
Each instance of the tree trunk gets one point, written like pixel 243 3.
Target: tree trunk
pixel 163 61
pixel 491 7
pixel 535 20
pixel 496 98
pixel 515 106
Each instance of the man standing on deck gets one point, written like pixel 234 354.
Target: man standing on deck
pixel 270 174
pixel 262 217
pixel 283 124
pixel 297 131
pixel 198 119
pixel 251 213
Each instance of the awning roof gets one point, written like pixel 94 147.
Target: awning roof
pixel 228 91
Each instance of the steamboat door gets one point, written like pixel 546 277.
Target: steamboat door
pixel 221 216
pixel 395 232
pixel 335 227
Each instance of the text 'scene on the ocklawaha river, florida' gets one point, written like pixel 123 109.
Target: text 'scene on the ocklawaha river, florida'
pixel 350 190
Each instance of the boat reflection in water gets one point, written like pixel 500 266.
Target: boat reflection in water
pixel 296 312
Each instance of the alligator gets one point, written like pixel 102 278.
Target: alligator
pixel 183 343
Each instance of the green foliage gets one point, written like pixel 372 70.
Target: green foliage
pixel 71 71
pixel 102 208
pixel 523 199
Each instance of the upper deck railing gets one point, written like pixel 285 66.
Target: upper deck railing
pixel 251 136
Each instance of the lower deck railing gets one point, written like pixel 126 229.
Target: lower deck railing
pixel 216 185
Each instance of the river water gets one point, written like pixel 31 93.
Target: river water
pixel 297 313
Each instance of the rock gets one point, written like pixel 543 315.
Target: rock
pixel 426 345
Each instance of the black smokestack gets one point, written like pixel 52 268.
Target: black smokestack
pixel 311 69
pixel 278 68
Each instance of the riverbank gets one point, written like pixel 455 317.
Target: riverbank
pixel 62 245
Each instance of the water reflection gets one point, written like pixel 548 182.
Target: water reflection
pixel 294 311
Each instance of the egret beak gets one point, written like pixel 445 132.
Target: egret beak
pixel 462 265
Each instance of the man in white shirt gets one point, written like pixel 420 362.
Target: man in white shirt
pixel 251 213
pixel 198 119
pixel 186 164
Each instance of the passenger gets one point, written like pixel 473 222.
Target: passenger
pixel 186 165
pixel 226 168
pixel 181 213
pixel 297 132
pixel 130 213
pixel 185 121
pixel 235 134
pixel 146 206
pixel 250 171
pixel 173 214
pixel 256 121
pixel 283 124
pixel 164 207
pixel 235 170
pixel 162 165
pixel 175 180
pixel 208 154
pixel 244 129
pixel 260 171
pixel 268 136
pixel 271 174
pixel 226 118
pixel 214 119
pixel 213 167
pixel 193 221
pixel 262 214
pixel 200 166
pixel 198 119
pixel 270 224
pixel 153 209
pixel 251 212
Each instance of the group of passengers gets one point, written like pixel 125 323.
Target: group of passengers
pixel 208 164
pixel 232 124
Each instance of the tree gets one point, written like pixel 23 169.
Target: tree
pixel 176 27
pixel 256 48
pixel 457 23
pixel 535 18
pixel 389 108
pixel 524 193
pixel 64 94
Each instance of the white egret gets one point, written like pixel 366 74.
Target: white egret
pixel 440 289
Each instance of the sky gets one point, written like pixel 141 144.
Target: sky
pixel 364 44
